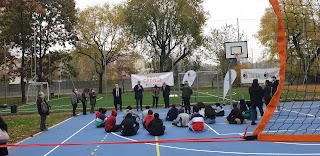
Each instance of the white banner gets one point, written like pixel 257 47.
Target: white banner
pixel 247 75
pixel 189 76
pixel 149 80
pixel 226 85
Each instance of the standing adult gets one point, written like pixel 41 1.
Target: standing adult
pixel 138 89
pixel 84 100
pixel 93 100
pixel 267 92
pixel 117 98
pixel 274 85
pixel 74 101
pixel 186 94
pixel 155 96
pixel 256 95
pixel 165 93
pixel 43 110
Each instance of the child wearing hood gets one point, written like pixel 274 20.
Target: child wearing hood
pixel 111 123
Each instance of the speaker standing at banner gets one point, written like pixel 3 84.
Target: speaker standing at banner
pixel 138 95
pixel 165 92
pixel 117 99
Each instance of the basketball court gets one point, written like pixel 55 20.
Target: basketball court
pixel 82 130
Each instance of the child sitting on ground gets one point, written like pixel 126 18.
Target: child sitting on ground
pixel 133 114
pixel 111 123
pixel 182 119
pixel 156 127
pixel 101 119
pixel 148 119
pixel 98 112
pixel 243 106
pixel 209 115
pixel 145 113
pixel 129 127
pixel 219 110
pixel 172 113
pixel 196 123
pixel 247 114
pixel 235 116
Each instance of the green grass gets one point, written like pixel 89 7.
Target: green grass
pixel 23 126
pixel 208 96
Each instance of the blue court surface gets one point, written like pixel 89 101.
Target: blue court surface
pixel 82 129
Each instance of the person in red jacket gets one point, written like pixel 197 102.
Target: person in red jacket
pixel 111 123
pixel 148 119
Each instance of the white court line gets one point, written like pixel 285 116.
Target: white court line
pixel 298 112
pixel 219 96
pixel 212 129
pixel 69 137
pixel 221 152
pixel 42 132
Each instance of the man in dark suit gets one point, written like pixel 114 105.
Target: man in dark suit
pixel 138 94
pixel 274 85
pixel 165 92
pixel 117 99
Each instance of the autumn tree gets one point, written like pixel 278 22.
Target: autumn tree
pixel 16 25
pixel 301 23
pixel 53 26
pixel 102 36
pixel 169 27
pixel 215 44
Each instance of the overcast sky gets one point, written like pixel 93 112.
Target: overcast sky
pixel 223 12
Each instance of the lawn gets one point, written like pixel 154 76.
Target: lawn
pixel 208 96
pixel 24 126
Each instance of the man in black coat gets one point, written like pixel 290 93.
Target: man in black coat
pixel 165 92
pixel 117 98
pixel 274 85
pixel 186 95
pixel 138 89
pixel 256 95
pixel 43 110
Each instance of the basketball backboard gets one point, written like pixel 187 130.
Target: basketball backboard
pixel 233 48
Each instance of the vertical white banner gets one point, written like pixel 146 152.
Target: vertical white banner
pixel 189 76
pixel 226 85
pixel 149 80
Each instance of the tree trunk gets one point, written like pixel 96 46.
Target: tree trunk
pixel 162 58
pixel 40 78
pixel 22 84
pixel 100 82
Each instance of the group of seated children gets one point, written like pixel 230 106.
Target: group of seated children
pixel 154 125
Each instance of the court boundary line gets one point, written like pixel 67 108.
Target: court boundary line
pixel 26 139
pixel 69 137
pixel 221 152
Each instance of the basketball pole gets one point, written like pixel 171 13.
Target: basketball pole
pixel 230 83
pixel 241 87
